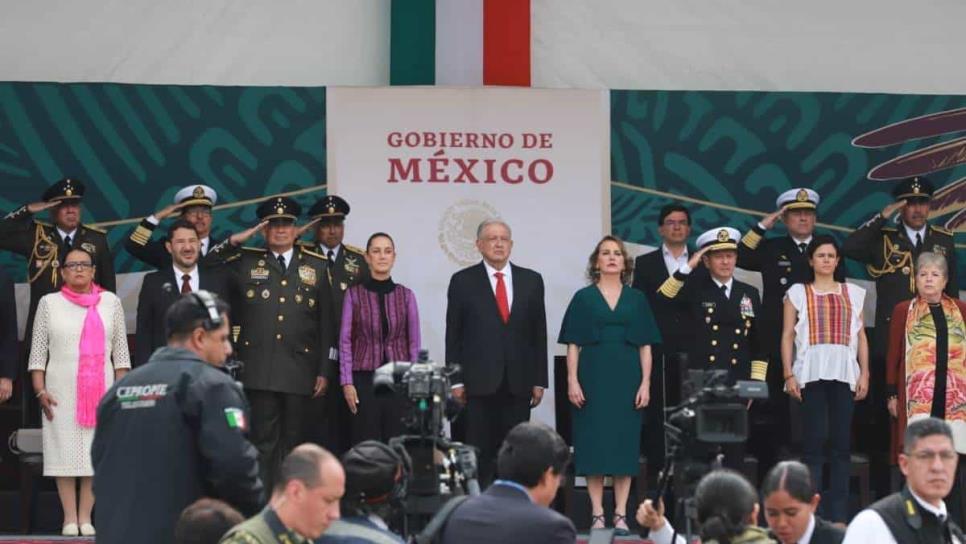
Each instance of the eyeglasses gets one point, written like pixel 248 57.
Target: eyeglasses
pixel 673 223
pixel 77 266
pixel 927 456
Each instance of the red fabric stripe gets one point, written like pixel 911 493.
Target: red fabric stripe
pixel 506 42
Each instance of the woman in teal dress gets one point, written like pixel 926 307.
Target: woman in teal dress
pixel 608 330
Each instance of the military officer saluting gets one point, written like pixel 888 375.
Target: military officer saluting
pixel 347 267
pixel 783 262
pixel 46 244
pixel 194 203
pixel 723 315
pixel 282 303
pixel 889 252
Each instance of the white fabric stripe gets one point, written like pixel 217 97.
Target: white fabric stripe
pixel 219 42
pixel 821 45
pixel 459 42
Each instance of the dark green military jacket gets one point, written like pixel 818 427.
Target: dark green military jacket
pixel 44 249
pixel 284 323
pixel 265 528
pixel 890 258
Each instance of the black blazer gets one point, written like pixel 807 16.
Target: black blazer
pixel 9 350
pixel 158 292
pixel 649 274
pixel 508 516
pixel 826 533
pixel 485 347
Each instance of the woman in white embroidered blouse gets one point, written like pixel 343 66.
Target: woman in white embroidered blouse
pixel 825 358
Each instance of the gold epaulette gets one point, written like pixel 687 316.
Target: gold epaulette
pixel 759 370
pixel 95 229
pixel 670 287
pixel 305 243
pixel 43 223
pixel 254 249
pixel 751 239
pixel 314 254
pixel 355 249
pixel 141 235
pixel 941 230
pixel 889 229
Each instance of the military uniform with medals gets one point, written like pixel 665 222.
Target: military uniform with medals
pixel 41 243
pixel 283 329
pixel 725 329
pixel 153 252
pixel 346 267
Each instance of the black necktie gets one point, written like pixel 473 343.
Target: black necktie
pixel 918 241
pixel 281 261
pixel 801 247
pixel 67 241
pixel 724 291
pixel 331 256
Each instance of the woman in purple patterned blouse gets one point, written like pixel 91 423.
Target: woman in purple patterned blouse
pixel 380 323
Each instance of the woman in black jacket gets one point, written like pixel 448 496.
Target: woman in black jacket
pixel 790 503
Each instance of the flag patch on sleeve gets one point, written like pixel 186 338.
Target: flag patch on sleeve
pixel 235 418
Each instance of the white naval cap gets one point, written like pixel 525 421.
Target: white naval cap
pixel 719 238
pixel 801 198
pixel 196 195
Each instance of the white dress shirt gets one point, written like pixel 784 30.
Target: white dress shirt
pixel 326 249
pixel 807 535
pixel 287 255
pixel 727 285
pixel 868 527
pixel 72 234
pixel 507 280
pixel 911 233
pixel 671 262
pixel 193 281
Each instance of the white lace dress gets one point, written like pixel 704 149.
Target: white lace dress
pixel 56 349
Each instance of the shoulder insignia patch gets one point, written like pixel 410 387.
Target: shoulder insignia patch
pixel 890 229
pixel 355 249
pixel 254 249
pixel 941 230
pixel 95 229
pixel 43 223
pixel 314 254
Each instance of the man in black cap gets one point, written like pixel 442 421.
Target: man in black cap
pixel 889 250
pixel 45 244
pixel 374 480
pixel 282 303
pixel 346 267
pixel 194 203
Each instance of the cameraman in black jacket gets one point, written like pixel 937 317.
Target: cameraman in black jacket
pixel 174 430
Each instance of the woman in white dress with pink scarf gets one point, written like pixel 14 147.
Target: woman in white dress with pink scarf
pixel 79 348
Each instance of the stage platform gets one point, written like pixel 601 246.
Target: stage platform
pixel 42 539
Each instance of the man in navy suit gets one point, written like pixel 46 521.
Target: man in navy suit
pixel 163 287
pixel 496 330
pixel 515 509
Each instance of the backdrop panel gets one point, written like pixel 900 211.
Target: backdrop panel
pixel 428 164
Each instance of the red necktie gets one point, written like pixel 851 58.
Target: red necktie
pixel 501 299
pixel 185 283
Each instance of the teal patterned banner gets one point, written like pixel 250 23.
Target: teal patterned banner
pixel 728 155
pixel 136 145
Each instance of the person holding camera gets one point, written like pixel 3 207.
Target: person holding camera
pixel 375 481
pixel 380 323
pixel 825 357
pixel 608 330
pixel 727 507
pixel 174 430
pixel 723 317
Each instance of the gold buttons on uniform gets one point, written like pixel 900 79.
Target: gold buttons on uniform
pixel 282 318
pixel 711 358
pixel 714 327
pixel 734 361
pixel 284 283
pixel 714 342
pixel 733 346
pixel 737 331
pixel 281 300
pixel 278 336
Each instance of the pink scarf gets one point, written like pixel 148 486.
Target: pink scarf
pixel 90 367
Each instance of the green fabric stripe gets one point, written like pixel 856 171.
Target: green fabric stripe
pixel 412 42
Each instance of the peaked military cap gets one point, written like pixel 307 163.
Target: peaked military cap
pixel 913 189
pixel 280 207
pixel 801 198
pixel 330 206
pixel 719 238
pixel 196 195
pixel 65 189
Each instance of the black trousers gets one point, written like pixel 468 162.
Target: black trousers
pixel 827 432
pixel 377 417
pixel 488 420
pixel 277 427
pixel 327 420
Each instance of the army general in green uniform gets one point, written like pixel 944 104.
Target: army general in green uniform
pixel 282 303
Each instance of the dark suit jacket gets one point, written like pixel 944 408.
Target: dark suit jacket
pixel 158 292
pixel 506 515
pixel 8 328
pixel 826 533
pixel 485 347
pixel 649 273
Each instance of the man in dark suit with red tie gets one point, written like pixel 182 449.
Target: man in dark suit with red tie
pixel 163 287
pixel 496 330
